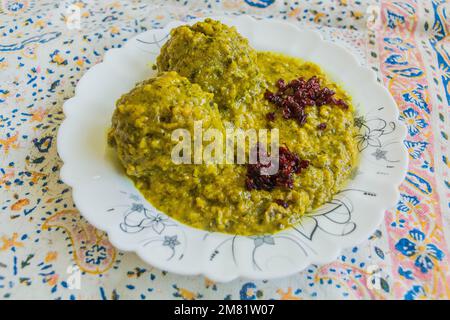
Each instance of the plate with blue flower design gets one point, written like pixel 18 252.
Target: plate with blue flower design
pixel 110 201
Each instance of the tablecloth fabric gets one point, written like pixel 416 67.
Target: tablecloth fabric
pixel 47 250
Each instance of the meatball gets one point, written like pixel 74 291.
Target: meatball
pixel 144 119
pixel 216 57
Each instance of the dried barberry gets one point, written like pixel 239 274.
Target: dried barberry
pixel 282 203
pixel 322 126
pixel 289 164
pixel 281 84
pixel 270 116
pixel 304 164
pixel 294 96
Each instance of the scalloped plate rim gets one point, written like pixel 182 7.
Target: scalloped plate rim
pixel 67 178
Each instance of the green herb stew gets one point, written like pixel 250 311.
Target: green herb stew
pixel 208 72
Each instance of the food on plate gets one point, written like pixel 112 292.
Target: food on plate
pixel 145 117
pixel 216 57
pixel 209 73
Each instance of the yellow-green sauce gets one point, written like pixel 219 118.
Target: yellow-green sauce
pixel 208 72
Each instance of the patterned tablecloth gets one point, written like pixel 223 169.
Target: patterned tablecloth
pixel 48 251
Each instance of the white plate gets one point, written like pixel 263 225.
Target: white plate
pixel 109 201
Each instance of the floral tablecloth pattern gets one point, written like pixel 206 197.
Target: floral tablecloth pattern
pixel 47 250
